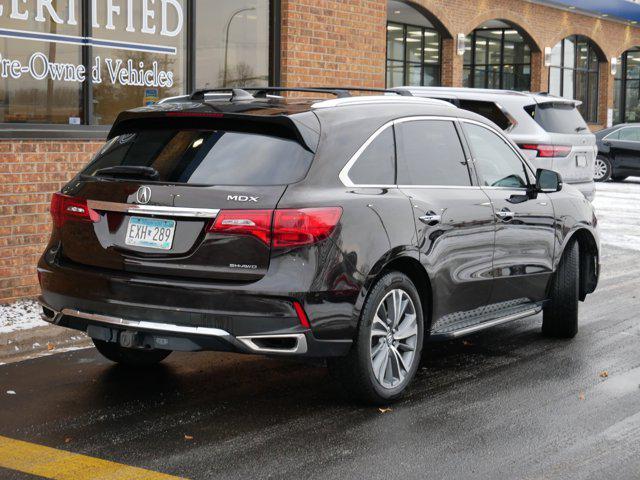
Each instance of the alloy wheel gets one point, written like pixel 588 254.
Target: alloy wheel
pixel 600 169
pixel 394 337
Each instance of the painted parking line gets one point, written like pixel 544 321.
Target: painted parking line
pixel 61 465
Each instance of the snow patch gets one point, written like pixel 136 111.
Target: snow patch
pixel 20 315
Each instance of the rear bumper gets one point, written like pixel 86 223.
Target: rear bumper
pixel 167 336
pixel 171 315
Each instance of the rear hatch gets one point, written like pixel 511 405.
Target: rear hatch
pixel 182 196
pixel 570 146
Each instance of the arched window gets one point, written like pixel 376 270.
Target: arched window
pixel 497 56
pixel 574 74
pixel 413 47
pixel 627 87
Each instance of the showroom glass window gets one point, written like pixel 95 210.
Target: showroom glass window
pixel 574 74
pixel 497 58
pixel 39 98
pixel 627 88
pixel 232 43
pixel 413 48
pixel 136 52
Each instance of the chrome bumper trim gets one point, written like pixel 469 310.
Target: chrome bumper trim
pixel 142 325
pixel 153 209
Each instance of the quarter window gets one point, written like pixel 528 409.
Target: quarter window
pixel 377 164
pixel 430 153
pixel 495 161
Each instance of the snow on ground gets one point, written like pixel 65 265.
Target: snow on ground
pixel 618 210
pixel 617 206
pixel 20 315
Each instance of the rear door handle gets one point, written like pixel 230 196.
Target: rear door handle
pixel 431 219
pixel 505 215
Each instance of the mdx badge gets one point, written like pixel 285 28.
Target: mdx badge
pixel 144 195
pixel 242 198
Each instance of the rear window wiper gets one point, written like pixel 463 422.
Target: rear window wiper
pixel 128 171
pixel 581 129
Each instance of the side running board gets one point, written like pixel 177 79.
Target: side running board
pixel 469 329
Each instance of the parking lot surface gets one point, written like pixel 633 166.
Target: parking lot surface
pixel 504 403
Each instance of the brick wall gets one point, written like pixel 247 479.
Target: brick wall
pixel 30 171
pixel 326 43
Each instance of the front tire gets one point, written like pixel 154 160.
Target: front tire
pixel 386 353
pixel 602 169
pixel 560 317
pixel 130 356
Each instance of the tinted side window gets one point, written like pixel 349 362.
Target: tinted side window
pixel 430 153
pixel 488 110
pixel 377 164
pixel 630 134
pixel 496 163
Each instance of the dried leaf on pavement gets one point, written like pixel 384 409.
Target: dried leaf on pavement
pixel 188 437
pixel 385 410
pixel 604 374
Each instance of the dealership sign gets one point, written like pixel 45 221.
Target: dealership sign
pixel 164 18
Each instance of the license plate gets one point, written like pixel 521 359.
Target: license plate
pixel 150 233
pixel 581 160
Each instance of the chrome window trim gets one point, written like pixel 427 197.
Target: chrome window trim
pixel 153 209
pixel 344 173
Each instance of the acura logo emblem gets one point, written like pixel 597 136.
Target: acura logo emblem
pixel 144 195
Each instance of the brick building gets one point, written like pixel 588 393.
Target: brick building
pixel 67 69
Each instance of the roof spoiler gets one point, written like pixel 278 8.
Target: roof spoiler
pixel 556 99
pixel 243 94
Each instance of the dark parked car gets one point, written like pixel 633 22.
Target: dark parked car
pixel 618 153
pixel 353 229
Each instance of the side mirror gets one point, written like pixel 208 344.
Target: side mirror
pixel 606 143
pixel 548 181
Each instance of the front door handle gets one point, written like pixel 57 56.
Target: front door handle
pixel 505 215
pixel 431 219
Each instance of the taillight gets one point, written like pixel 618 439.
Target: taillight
pixel 306 226
pixel 548 151
pixel 256 223
pixel 280 228
pixel 65 208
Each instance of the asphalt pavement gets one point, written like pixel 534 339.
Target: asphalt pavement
pixel 504 403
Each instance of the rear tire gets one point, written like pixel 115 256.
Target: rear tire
pixel 560 317
pixel 602 169
pixel 130 356
pixel 619 178
pixel 386 353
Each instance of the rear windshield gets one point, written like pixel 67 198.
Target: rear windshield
pixel 558 117
pixel 207 157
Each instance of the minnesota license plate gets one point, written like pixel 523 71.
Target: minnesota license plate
pixel 150 233
pixel 581 160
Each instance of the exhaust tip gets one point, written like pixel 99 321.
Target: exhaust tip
pixel 290 344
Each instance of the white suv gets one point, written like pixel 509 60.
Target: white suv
pixel 548 129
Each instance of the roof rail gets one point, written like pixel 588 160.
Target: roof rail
pixel 262 92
